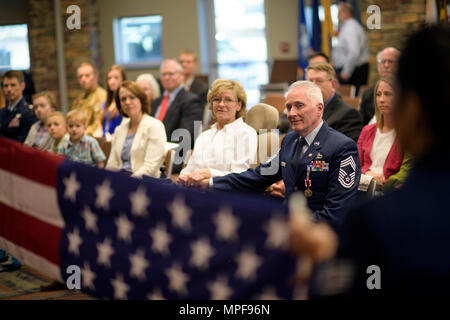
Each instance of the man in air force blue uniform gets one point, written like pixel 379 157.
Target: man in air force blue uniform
pixel 314 159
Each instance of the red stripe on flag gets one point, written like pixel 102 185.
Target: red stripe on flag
pixel 30 163
pixel 30 233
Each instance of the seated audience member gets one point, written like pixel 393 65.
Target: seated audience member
pixel 378 146
pixel 314 159
pixel 188 61
pixel 16 117
pixel 403 235
pixel 56 123
pixel 149 85
pixel 91 100
pixel 80 146
pixel 230 145
pixel 387 63
pixel 38 136
pixel 177 109
pixel 337 113
pixel 111 117
pixel 138 146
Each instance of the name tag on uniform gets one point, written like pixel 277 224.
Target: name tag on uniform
pixel 319 166
pixel 283 164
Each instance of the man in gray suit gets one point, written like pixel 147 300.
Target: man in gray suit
pixel 337 113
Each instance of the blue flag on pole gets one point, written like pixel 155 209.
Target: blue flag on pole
pixel 316 39
pixel 303 40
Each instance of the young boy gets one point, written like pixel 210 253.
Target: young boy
pixel 56 123
pixel 81 147
pixel 38 136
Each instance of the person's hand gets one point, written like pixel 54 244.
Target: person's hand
pixel 182 180
pixel 195 178
pixel 203 184
pixel 317 241
pixel 378 177
pixel 344 76
pixel 278 189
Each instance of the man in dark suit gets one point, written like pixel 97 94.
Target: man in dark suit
pixel 188 61
pixel 387 60
pixel 314 159
pixel 16 117
pixel 338 114
pixel 177 108
pixel 398 245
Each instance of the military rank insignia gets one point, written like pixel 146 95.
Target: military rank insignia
pixel 347 172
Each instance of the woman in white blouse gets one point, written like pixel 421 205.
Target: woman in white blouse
pixel 230 145
pixel 138 146
pixel 379 151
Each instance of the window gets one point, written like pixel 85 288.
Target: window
pixel 241 44
pixel 14 51
pixel 137 41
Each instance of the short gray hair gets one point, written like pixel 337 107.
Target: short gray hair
pixel 178 65
pixel 150 79
pixel 312 90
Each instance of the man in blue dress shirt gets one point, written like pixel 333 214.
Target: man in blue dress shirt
pixel 314 159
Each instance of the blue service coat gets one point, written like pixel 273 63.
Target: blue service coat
pixel 334 173
pixel 26 119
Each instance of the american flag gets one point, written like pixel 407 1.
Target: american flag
pixel 140 239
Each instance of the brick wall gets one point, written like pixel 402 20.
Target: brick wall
pixel 79 45
pixel 399 18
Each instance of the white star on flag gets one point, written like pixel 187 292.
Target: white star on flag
pixel 156 295
pixel 104 253
pixel 124 228
pixel 226 224
pixel 138 264
pixel 181 214
pixel 88 276
pixel 248 262
pixel 139 202
pixel 160 239
pixel 74 242
pixel 277 233
pixel 71 187
pixel 177 279
pixel 90 219
pixel 219 289
pixel 120 287
pixel 104 194
pixel 201 253
pixel 269 293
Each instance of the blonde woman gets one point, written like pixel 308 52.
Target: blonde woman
pixel 230 145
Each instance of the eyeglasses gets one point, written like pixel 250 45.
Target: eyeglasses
pixel 169 74
pixel 226 101
pixel 320 81
pixel 386 61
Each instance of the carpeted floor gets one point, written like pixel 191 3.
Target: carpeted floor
pixel 25 284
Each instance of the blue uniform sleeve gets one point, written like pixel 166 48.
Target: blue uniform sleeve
pixel 345 173
pixel 252 180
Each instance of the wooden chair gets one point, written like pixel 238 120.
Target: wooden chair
pixel 347 90
pixel 105 146
pixel 355 102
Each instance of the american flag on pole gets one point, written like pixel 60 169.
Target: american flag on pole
pixel 140 239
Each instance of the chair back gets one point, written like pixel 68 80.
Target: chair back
pixel 105 146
